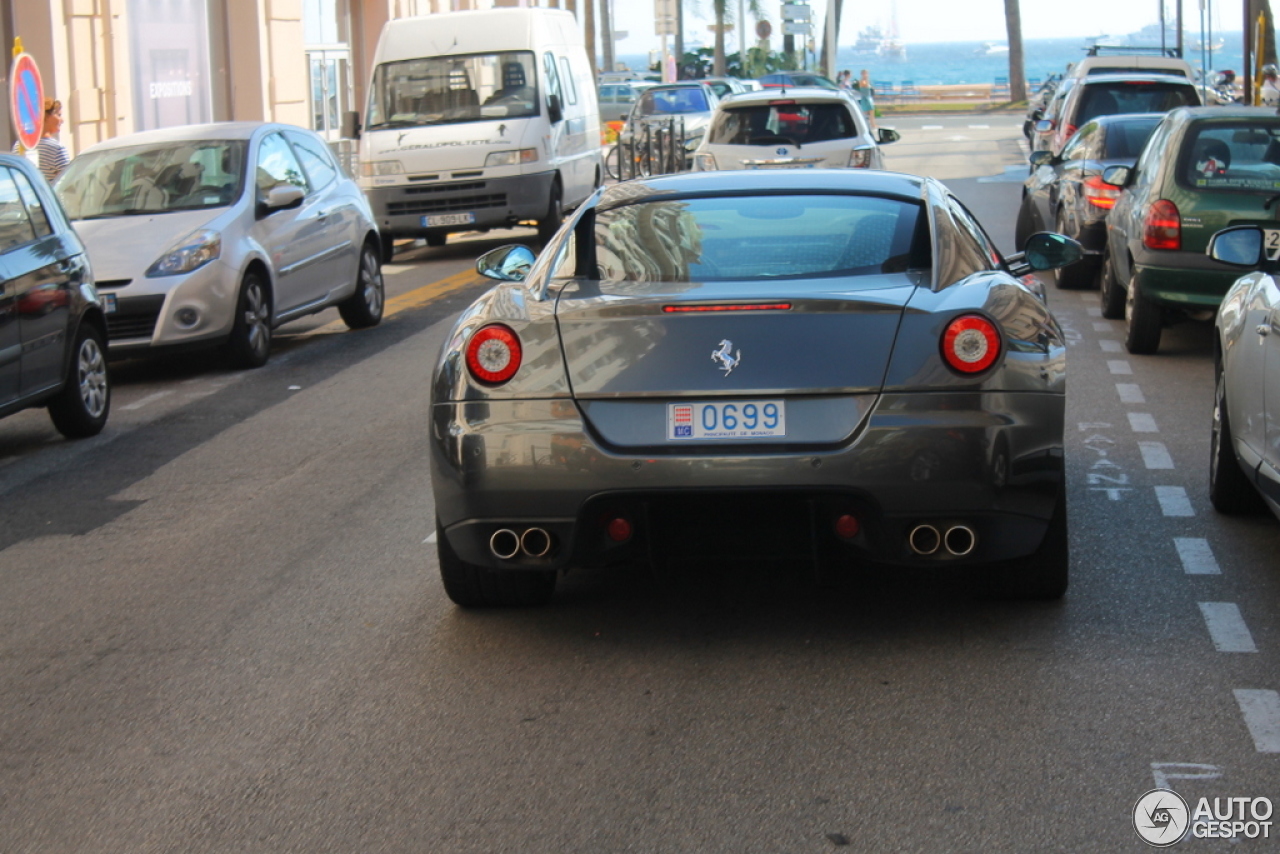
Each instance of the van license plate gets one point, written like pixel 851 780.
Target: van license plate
pixel 733 419
pixel 448 219
pixel 1271 242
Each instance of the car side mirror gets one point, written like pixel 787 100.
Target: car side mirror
pixel 1044 126
pixel 555 111
pixel 350 125
pixel 888 135
pixel 506 263
pixel 1239 246
pixel 280 197
pixel 1045 250
pixel 1041 158
pixel 1117 175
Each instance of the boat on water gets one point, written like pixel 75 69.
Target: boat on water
pixel 869 39
pixel 892 48
pixel 992 49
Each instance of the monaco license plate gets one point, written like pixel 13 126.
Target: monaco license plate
pixel 108 302
pixel 1271 240
pixel 730 419
pixel 448 219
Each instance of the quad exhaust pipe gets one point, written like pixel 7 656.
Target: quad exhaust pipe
pixel 505 543
pixel 957 540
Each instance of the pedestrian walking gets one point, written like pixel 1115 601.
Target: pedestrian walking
pixel 866 97
pixel 49 155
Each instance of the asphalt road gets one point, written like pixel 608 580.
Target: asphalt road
pixel 222 629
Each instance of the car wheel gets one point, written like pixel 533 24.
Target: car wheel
pixel 364 307
pixel 472 586
pixel 1110 294
pixel 1044 573
pixel 1076 276
pixel 1229 488
pixel 436 240
pixel 81 408
pixel 1143 321
pixel 550 224
pixel 250 343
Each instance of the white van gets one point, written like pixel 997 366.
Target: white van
pixel 479 120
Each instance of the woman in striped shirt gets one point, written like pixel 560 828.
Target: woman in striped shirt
pixel 49 154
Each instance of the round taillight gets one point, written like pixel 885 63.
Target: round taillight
pixel 619 530
pixel 493 354
pixel 971 344
pixel 847 526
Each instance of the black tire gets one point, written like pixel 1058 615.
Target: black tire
pixel 1110 294
pixel 550 224
pixel 250 344
pixel 364 307
pixel 1229 488
pixel 472 586
pixel 1044 574
pixel 1144 321
pixel 435 241
pixel 81 408
pixel 1077 276
pixel 388 246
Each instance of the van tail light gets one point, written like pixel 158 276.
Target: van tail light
pixel 1099 193
pixel 493 354
pixel 860 158
pixel 971 344
pixel 1162 226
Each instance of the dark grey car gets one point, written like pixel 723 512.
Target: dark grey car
pixel 829 364
pixel 52 332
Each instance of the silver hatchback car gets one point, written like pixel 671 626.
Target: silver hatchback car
pixel 210 235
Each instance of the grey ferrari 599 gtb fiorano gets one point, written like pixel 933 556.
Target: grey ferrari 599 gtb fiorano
pixel 829 364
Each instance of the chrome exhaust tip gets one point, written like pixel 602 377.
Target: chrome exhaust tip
pixel 535 542
pixel 505 544
pixel 924 539
pixel 960 540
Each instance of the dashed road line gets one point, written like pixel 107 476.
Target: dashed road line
pixel 1119 366
pixel 1130 393
pixel 1093 311
pixel 1227 627
pixel 145 401
pixel 1142 422
pixel 1261 710
pixel 1155 455
pixel 1103 326
pixel 930 127
pixel 1109 345
pixel 1196 556
pixel 1174 501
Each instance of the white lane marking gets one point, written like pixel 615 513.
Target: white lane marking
pixel 979 127
pixel 1226 627
pixel 1093 311
pixel 1142 422
pixel 1109 345
pixel 1103 326
pixel 930 127
pixel 1155 455
pixel 1261 710
pixel 151 398
pixel 431 538
pixel 1164 772
pixel 1119 366
pixel 1174 501
pixel 1196 556
pixel 1130 393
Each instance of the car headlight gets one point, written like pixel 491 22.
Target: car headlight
pixel 374 168
pixel 705 162
pixel 190 253
pixel 511 158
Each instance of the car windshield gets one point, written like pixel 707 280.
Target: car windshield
pixel 663 102
pixel 156 178
pixel 760 238
pixel 1129 96
pixel 452 89
pixel 1125 139
pixel 782 122
pixel 1235 156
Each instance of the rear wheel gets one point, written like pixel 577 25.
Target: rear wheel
pixel 1143 321
pixel 1110 294
pixel 364 307
pixel 1229 487
pixel 81 408
pixel 250 343
pixel 1040 575
pixel 472 586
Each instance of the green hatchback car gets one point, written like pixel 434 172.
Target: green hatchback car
pixel 1203 169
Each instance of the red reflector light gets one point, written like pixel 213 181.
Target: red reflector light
pixel 1068 131
pixel 1099 193
pixel 847 527
pixel 750 306
pixel 782 103
pixel 619 530
pixel 493 354
pixel 1162 226
pixel 971 344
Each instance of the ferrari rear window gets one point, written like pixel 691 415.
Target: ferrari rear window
pixel 1234 156
pixel 782 124
pixel 744 238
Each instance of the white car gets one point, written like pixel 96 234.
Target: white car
pixel 211 235
pixel 791 128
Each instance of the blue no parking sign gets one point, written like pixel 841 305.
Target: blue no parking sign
pixel 26 100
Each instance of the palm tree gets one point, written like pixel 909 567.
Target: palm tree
pixel 1013 27
pixel 724 13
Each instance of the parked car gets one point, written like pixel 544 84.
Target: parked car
pixel 726 86
pixel 829 363
pixel 1244 471
pixel 1122 59
pixel 53 335
pixel 807 128
pixel 796 78
pixel 617 99
pixel 689 106
pixel 1203 169
pixel 1065 192
pixel 1112 94
pixel 1038 102
pixel 1042 130
pixel 211 235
